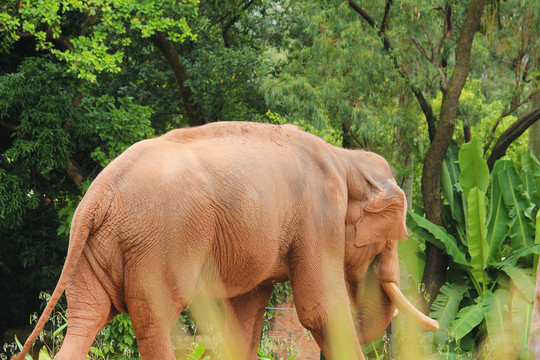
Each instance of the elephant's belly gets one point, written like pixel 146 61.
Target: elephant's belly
pixel 230 276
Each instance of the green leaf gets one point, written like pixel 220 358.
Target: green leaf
pixel 19 345
pixel 445 308
pixel 521 230
pixel 537 236
pixel 529 161
pixel 521 320
pixel 499 217
pixel 523 279
pixel 59 330
pixel 197 352
pixel 44 354
pixel 449 179
pixel 476 231
pixel 412 257
pixel 467 319
pixel 437 235
pixel 474 170
pixel 96 351
pixel 516 255
pixel 496 313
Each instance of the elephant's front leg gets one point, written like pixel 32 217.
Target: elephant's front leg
pixel 323 307
pixel 244 319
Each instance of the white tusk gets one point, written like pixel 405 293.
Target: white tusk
pixel 392 290
pixel 396 313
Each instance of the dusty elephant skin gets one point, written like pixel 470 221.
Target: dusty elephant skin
pixel 233 208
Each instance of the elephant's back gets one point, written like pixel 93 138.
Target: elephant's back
pixel 225 193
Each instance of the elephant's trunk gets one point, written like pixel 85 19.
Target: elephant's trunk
pixel 375 303
pixel 397 297
pixel 374 309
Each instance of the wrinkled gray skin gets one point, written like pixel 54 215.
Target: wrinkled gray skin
pixel 233 208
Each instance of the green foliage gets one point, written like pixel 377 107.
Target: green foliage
pixel 332 76
pixel 40 146
pixel 118 123
pixel 328 134
pixel 117 339
pixel 198 353
pixel 316 64
pixel 445 309
pixel 105 27
pixel 225 82
pixel 490 248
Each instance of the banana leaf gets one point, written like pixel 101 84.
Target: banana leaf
pixel 437 235
pixel 449 179
pixel 466 320
pixel 445 308
pixel 529 162
pixel 498 214
pixel 412 257
pixel 521 229
pixel 478 246
pixel 496 313
pixel 518 254
pixel 523 280
pixel 474 170
pixel 521 312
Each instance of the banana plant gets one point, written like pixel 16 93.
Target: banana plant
pixel 489 234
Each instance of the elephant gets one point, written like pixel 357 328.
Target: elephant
pixel 233 208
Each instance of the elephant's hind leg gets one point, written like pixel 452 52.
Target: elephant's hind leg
pixel 89 310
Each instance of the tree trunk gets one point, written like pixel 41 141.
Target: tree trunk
pixel 436 262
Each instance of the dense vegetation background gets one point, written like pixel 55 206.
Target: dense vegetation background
pixel 80 81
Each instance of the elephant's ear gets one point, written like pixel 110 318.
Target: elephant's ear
pixel 383 218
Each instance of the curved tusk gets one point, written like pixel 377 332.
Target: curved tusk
pixel 396 313
pixel 392 290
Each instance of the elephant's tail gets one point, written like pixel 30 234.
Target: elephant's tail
pixel 88 216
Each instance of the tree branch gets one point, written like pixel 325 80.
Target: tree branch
pixel 169 51
pixel 59 40
pixel 448 27
pixel 75 102
pixel 424 105
pixel 432 61
pixel 231 22
pixel 274 34
pixel 504 114
pixel 362 13
pixel 347 128
pixel 512 133
pixel 75 173
pixel 428 113
pixel 384 25
pixel 8 125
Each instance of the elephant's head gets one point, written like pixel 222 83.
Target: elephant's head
pixel 375 222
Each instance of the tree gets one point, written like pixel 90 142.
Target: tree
pixel 80 82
